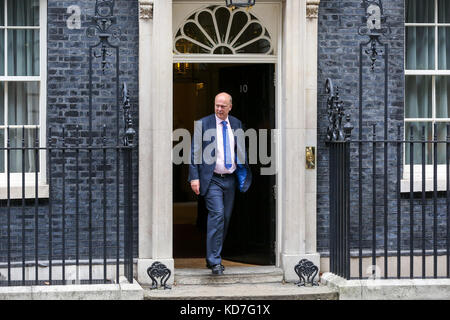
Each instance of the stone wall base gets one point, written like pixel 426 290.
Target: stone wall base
pixel 386 289
pixel 121 291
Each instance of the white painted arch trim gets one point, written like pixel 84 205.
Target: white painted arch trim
pixel 266 12
pixel 297 69
pixel 225 58
pixel 213 44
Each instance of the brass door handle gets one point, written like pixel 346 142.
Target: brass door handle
pixel 310 156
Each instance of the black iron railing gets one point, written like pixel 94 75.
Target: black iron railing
pixel 338 136
pixel 405 236
pixel 68 211
pixel 390 195
pixel 81 225
pixel 84 224
pixel 391 216
pixel 77 225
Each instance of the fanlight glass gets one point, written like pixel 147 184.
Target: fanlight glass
pixel 217 30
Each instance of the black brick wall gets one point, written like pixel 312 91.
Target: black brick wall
pixel 338 56
pixel 67 106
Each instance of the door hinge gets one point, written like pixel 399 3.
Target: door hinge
pixel 273 252
pixel 275 79
pixel 274 191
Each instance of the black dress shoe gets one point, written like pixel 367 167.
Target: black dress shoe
pixel 210 266
pixel 217 269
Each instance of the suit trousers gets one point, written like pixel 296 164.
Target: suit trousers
pixel 219 200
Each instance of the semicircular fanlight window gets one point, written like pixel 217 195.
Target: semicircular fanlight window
pixel 217 30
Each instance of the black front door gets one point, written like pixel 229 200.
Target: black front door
pixel 251 235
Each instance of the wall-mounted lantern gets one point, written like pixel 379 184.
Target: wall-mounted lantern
pixel 240 3
pixel 374 25
pixel 374 20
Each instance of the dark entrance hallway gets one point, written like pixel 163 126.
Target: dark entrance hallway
pixel 251 236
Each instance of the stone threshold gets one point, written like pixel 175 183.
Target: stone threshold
pixel 242 291
pixel 388 289
pixel 237 283
pixel 121 291
pixel 231 275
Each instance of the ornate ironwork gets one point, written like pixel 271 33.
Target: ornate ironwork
pixel 374 25
pixel 306 271
pixel 373 52
pixel 159 270
pixel 104 25
pixel 104 28
pixel 106 51
pixel 336 130
pixel 130 133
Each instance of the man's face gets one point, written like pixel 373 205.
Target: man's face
pixel 222 106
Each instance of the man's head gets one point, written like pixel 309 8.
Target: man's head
pixel 222 105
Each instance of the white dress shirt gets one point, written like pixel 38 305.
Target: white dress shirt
pixel 220 157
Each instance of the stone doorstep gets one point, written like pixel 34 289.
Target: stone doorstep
pixel 242 291
pixel 232 275
pixel 387 289
pixel 121 291
pixel 237 283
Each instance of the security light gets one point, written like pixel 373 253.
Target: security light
pixel 240 3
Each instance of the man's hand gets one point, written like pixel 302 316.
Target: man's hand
pixel 195 186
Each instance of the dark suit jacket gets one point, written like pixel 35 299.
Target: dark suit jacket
pixel 204 171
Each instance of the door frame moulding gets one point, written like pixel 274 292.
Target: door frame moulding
pixel 215 58
pixel 296 114
pixel 255 59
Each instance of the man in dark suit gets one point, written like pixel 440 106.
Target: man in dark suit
pixel 218 166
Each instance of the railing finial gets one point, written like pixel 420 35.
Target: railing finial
pixel 348 127
pixel 336 130
pixel 128 138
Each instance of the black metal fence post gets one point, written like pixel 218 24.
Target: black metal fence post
pixel 8 203
pixel 128 217
pixel 398 193
pixel 447 172
pixel 435 196
pixel 36 207
pixel 338 140
pixel 104 204
pixel 374 199
pixel 63 218
pixel 411 202
pixel 50 205
pixel 347 132
pixel 77 204
pixel 128 142
pixel 423 201
pixel 23 205
pixel 340 207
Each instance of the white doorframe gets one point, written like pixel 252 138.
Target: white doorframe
pixel 256 59
pixel 155 137
pixel 296 114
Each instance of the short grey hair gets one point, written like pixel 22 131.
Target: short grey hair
pixel 229 96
